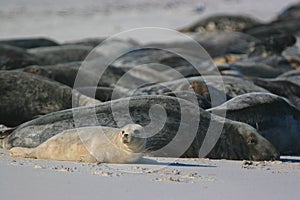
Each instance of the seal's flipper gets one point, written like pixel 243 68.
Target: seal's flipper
pixel 6 132
pixel 21 152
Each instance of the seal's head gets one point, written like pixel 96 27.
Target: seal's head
pixel 241 141
pixel 133 137
pixel 258 147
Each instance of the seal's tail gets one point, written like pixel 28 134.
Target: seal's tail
pixel 4 133
pixel 21 152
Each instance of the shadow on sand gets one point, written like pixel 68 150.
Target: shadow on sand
pixel 149 161
pixel 292 159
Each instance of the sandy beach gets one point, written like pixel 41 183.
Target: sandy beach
pixel 156 178
pixel 71 20
pixel 183 179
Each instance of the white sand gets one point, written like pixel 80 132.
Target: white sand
pixel 186 179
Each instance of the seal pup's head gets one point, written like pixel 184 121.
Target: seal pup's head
pixel 133 137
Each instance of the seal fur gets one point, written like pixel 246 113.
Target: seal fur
pixel 90 144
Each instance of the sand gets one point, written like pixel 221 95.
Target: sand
pixel 166 179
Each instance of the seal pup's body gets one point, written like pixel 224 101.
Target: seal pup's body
pixel 90 144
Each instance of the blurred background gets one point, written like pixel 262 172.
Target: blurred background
pixel 74 19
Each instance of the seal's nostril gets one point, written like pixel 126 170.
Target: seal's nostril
pixel 125 135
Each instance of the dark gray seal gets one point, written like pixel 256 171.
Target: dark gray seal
pixel 224 22
pixel 202 101
pixel 291 12
pixel 216 43
pixel 68 72
pixel 293 79
pixel 14 58
pixel 286 27
pixel 237 141
pixel 148 73
pixel 102 93
pixel 276 61
pixel 26 96
pixel 292 54
pixel 203 85
pixel 281 87
pixel 27 43
pixel 186 72
pixel 289 74
pixel 257 69
pixel 61 54
pixel 93 42
pixel 146 56
pixel 273 117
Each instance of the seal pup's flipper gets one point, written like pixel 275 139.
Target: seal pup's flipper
pixel 6 132
pixel 22 152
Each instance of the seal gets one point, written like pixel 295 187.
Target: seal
pixel 290 12
pixel 203 85
pixel 28 43
pixel 52 55
pixel 34 96
pixel 224 22
pixel 282 87
pixel 273 117
pixel 250 68
pixel 155 56
pixel 15 58
pixel 291 73
pixel 103 93
pixel 90 144
pixel 235 140
pixel 66 74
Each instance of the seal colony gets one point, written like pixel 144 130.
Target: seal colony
pixel 90 144
pixel 47 113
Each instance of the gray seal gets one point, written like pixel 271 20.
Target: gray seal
pixel 27 43
pixel 203 85
pixel 237 140
pixel 281 86
pixel 14 58
pixel 67 73
pixel 273 117
pixel 60 54
pixel 224 22
pixel 26 96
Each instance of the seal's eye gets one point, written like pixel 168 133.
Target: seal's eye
pixel 123 132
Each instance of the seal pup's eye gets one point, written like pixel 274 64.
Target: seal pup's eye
pixel 123 132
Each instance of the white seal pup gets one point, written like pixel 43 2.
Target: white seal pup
pixel 90 144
